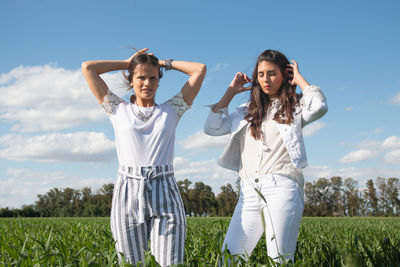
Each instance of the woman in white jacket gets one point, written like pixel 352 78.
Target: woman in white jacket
pixel 266 147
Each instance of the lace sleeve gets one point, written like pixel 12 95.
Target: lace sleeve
pixel 111 102
pixel 178 104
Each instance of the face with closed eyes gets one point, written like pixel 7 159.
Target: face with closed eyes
pixel 269 78
pixel 145 82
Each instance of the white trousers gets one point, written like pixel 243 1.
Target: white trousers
pixel 281 214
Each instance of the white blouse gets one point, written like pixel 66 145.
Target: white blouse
pixel 268 157
pixel 140 143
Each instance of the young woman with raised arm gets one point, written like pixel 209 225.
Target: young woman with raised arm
pixel 146 204
pixel 266 147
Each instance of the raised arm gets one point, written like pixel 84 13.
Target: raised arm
pixel 196 72
pixel 219 121
pixel 236 87
pixel 92 69
pixel 314 103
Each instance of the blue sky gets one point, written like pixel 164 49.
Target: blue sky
pixel 53 133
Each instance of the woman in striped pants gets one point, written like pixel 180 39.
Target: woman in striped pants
pixel 146 205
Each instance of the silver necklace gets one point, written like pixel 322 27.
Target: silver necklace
pixel 143 116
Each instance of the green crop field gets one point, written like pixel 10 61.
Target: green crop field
pixel 88 242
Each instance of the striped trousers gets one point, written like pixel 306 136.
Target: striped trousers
pixel 147 207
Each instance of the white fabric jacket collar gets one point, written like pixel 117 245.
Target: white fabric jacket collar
pixel 312 107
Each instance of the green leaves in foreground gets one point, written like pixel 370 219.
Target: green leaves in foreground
pixel 88 242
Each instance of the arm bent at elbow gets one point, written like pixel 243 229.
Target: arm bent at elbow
pixel 314 105
pixel 196 72
pixel 91 71
pixel 217 124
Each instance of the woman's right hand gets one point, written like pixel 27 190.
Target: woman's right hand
pixel 238 82
pixel 236 87
pixel 141 51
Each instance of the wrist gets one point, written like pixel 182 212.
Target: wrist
pixel 302 83
pixel 233 89
pixel 168 64
pixel 125 64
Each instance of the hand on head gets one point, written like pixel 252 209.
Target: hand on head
pixel 138 52
pixel 293 73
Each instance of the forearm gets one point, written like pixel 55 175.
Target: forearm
pixel 91 71
pixel 302 83
pixel 313 104
pixel 103 66
pixel 189 68
pixel 196 72
pixel 225 99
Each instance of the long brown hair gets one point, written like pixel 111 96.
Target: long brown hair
pixel 259 101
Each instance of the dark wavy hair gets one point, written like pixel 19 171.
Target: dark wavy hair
pixel 137 60
pixel 259 101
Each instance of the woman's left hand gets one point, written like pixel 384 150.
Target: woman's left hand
pixel 295 78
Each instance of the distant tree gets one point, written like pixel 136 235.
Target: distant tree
pixel 227 200
pixel 371 199
pixel 105 199
pixel 393 187
pixel 184 189
pixel 42 205
pixel 310 199
pixel 352 197
pixel 323 204
pixel 385 206
pixel 203 199
pixel 389 202
pixel 336 196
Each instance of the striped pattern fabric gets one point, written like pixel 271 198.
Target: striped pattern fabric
pixel 147 207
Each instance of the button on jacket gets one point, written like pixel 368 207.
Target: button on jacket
pixel 312 107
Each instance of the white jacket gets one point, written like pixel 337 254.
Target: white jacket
pixel 312 107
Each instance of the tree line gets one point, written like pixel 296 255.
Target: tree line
pixel 324 197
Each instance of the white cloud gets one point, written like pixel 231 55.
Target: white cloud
pixel 375 131
pixel 378 131
pixel 21 186
pixel 313 128
pixel 392 142
pixel 220 66
pixel 48 98
pixel 396 99
pixel 369 149
pixel 359 155
pixel 392 157
pixel 57 147
pixel 201 169
pixel 201 142
pixel 373 145
pixel 349 108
